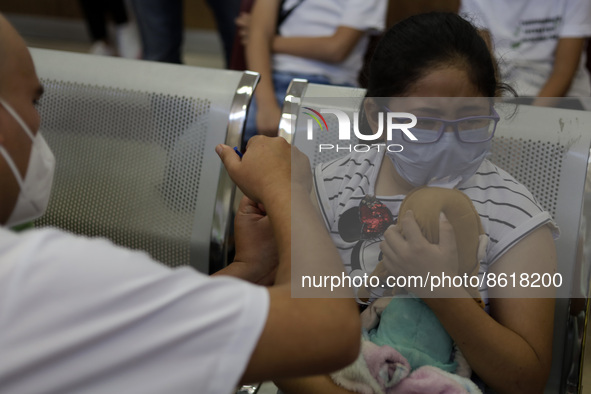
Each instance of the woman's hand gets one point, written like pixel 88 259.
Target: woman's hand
pixel 408 254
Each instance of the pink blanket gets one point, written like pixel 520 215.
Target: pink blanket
pixel 381 369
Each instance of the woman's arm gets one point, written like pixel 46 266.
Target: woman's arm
pixel 511 350
pixel 330 49
pixel 258 58
pixel 528 323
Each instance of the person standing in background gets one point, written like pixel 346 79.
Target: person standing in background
pixel 323 41
pixel 161 24
pixel 540 45
pixel 161 27
pixel 126 43
pixel 225 12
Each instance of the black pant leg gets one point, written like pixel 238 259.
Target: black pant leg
pixel 94 13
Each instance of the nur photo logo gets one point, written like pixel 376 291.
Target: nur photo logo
pixel 387 123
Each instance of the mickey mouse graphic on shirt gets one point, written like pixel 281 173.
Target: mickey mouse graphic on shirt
pixel 365 224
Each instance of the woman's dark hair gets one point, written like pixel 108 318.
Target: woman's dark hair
pixel 412 47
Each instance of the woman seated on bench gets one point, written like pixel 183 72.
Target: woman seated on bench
pixel 428 65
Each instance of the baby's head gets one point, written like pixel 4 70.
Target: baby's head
pixel 427 203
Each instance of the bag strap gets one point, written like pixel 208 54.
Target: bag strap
pixel 283 14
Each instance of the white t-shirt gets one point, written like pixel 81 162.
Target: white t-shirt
pixel 317 18
pixel 80 315
pixel 508 211
pixel 525 35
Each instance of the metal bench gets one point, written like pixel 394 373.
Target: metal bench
pixel 134 143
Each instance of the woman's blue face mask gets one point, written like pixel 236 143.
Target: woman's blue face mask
pixel 446 153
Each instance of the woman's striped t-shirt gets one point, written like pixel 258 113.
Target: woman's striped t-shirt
pixel 507 210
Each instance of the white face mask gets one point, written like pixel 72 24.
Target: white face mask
pixel 36 186
pixel 445 163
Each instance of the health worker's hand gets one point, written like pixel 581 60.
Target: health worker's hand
pixel 265 170
pixel 256 250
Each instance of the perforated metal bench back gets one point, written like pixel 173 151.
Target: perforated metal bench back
pixel 549 154
pixel 134 143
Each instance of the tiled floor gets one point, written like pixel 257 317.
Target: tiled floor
pixel 201 49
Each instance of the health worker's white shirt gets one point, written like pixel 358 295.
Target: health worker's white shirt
pixel 80 315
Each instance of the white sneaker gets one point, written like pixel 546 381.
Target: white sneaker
pixel 101 48
pixel 128 41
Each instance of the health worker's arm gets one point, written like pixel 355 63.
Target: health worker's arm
pixel 319 334
pixel 317 384
pixel 256 256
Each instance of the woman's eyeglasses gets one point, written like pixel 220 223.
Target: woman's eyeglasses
pixel 471 129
